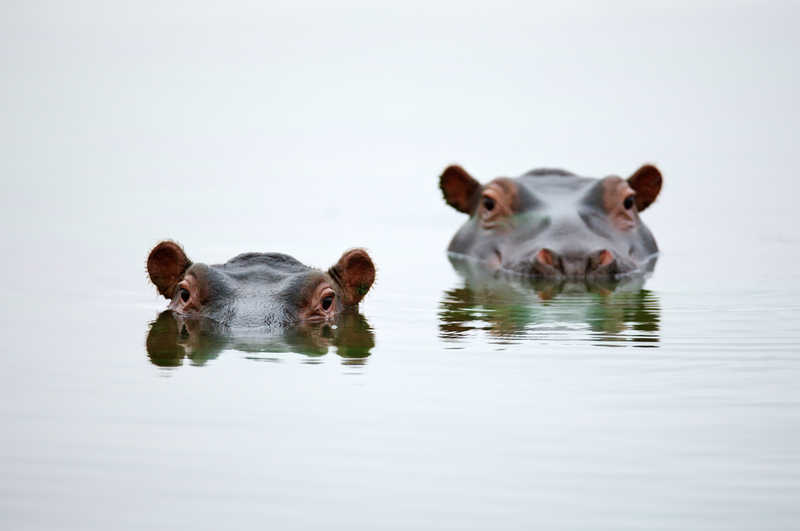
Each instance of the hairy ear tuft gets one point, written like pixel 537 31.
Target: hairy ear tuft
pixel 355 273
pixel 646 182
pixel 166 265
pixel 459 188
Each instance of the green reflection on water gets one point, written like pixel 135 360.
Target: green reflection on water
pixel 510 308
pixel 172 338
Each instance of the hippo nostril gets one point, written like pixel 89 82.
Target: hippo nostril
pixel 605 257
pixel 547 262
pixel 546 257
pixel 602 260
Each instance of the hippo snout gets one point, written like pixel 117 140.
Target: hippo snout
pixel 551 264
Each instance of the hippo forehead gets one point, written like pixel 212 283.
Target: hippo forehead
pixel 542 187
pixel 257 287
pixel 262 267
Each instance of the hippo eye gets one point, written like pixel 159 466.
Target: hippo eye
pixel 488 203
pixel 326 302
pixel 185 294
pixel 628 202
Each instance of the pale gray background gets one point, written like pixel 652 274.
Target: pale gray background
pixel 310 129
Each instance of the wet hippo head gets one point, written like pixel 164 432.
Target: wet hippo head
pixel 259 289
pixel 553 224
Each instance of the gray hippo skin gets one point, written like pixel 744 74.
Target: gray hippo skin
pixel 550 223
pixel 259 289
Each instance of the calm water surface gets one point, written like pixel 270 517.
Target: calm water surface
pixel 453 399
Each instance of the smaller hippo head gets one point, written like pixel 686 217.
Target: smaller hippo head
pixel 551 223
pixel 259 289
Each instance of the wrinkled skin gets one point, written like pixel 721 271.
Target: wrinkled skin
pixel 259 290
pixel 553 224
pixel 173 337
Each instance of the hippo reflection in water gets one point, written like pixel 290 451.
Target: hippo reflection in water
pixel 550 223
pixel 173 337
pixel 259 290
pixel 512 308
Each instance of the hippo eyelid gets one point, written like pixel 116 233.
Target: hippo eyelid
pixel 494 205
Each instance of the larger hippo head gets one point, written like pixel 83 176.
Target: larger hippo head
pixel 259 289
pixel 551 223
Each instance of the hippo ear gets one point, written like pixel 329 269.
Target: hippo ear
pixel 459 188
pixel 646 182
pixel 166 265
pixel 355 273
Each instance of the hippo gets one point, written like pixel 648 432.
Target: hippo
pixel 550 223
pixel 265 290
